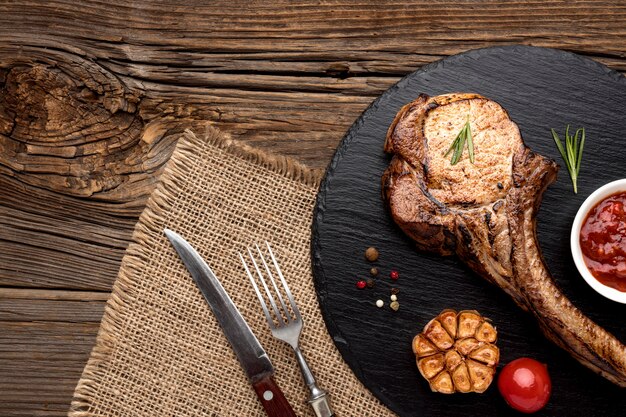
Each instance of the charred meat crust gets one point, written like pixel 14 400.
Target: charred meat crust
pixel 496 239
pixel 403 193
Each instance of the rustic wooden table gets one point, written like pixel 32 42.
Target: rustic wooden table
pixel 93 96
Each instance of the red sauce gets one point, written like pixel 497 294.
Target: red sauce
pixel 603 241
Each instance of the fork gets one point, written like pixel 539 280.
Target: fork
pixel 286 324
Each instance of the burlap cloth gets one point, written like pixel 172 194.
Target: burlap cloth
pixel 160 351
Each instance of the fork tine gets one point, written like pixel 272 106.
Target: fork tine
pixel 292 301
pixel 279 317
pixel 268 316
pixel 271 277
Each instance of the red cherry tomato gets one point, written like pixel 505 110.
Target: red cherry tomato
pixel 525 385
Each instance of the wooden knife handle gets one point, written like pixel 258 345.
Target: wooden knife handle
pixel 272 398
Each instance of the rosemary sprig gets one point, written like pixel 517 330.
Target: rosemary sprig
pixel 572 152
pixel 465 135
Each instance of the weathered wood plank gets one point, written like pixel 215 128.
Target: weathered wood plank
pixel 28 305
pixel 45 339
pixel 51 240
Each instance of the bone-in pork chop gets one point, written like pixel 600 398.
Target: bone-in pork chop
pixel 485 212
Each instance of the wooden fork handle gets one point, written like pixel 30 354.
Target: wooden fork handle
pixel 272 398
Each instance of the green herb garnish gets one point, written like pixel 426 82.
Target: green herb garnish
pixel 572 152
pixel 465 135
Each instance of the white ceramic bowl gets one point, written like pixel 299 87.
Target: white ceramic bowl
pixel 597 196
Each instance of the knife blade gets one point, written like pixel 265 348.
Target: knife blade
pixel 252 357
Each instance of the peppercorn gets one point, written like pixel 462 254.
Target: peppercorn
pixel 394 297
pixel 371 254
pixel 370 283
pixel 361 284
pixel 379 303
pixel 394 275
pixel 394 290
pixel 374 271
pixel 394 305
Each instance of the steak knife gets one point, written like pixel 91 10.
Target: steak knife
pixel 252 357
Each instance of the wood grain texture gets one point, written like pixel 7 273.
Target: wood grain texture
pixel 272 398
pixel 93 95
pixel 45 340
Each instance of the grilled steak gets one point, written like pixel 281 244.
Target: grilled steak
pixel 485 212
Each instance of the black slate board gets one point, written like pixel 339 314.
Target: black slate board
pixel 540 88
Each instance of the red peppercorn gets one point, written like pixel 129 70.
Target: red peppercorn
pixel 361 284
pixel 394 275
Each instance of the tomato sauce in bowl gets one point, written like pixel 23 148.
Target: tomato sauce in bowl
pixel 603 241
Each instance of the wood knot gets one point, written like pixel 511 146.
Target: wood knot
pixel 71 126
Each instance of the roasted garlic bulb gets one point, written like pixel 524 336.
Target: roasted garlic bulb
pixel 457 352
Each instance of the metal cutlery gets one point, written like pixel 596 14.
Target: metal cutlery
pixel 251 355
pixel 286 321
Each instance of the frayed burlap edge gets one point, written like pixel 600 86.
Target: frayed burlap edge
pixel 159 202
